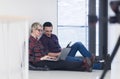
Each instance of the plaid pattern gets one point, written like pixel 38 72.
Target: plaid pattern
pixel 36 50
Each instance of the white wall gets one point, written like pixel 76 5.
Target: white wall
pixel 113 30
pixel 113 34
pixel 36 10
pixel 13 49
pixel 13 17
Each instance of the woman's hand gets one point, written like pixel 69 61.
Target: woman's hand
pixel 47 57
pixel 54 54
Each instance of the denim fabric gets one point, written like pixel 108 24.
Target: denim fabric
pixel 78 46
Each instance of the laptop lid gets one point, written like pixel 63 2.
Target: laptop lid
pixel 68 44
pixel 64 53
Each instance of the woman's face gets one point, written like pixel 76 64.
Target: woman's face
pixel 38 31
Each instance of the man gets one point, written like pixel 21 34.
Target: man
pixel 38 56
pixel 51 44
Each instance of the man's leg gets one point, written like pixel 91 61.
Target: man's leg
pixel 74 59
pixel 78 46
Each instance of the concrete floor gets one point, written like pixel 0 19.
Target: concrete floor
pixel 67 75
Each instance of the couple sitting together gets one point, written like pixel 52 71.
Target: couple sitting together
pixel 44 45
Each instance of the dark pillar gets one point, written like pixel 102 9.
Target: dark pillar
pixel 103 27
pixel 92 28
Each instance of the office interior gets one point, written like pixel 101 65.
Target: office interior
pixel 16 16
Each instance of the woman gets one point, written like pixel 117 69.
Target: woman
pixel 39 57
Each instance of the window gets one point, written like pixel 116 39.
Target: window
pixel 72 21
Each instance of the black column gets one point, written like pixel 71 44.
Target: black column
pixel 92 28
pixel 103 28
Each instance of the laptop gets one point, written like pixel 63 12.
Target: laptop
pixel 68 46
pixel 64 53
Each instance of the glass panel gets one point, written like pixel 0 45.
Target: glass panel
pixel 72 12
pixel 97 29
pixel 72 21
pixel 73 34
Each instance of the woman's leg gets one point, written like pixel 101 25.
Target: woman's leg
pixel 61 65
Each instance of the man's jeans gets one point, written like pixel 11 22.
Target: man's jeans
pixel 78 46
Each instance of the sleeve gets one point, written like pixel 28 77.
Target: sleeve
pixel 34 51
pixel 57 41
pixel 31 54
pixel 44 41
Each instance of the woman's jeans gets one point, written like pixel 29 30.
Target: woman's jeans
pixel 78 46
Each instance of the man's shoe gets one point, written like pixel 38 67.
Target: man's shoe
pixel 92 59
pixel 87 64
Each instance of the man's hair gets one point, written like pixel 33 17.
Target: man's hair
pixel 35 26
pixel 47 24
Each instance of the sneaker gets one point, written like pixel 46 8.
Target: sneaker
pixel 87 64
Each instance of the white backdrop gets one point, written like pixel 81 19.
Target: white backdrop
pixel 13 49
pixel 113 34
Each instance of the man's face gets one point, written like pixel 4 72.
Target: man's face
pixel 48 31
